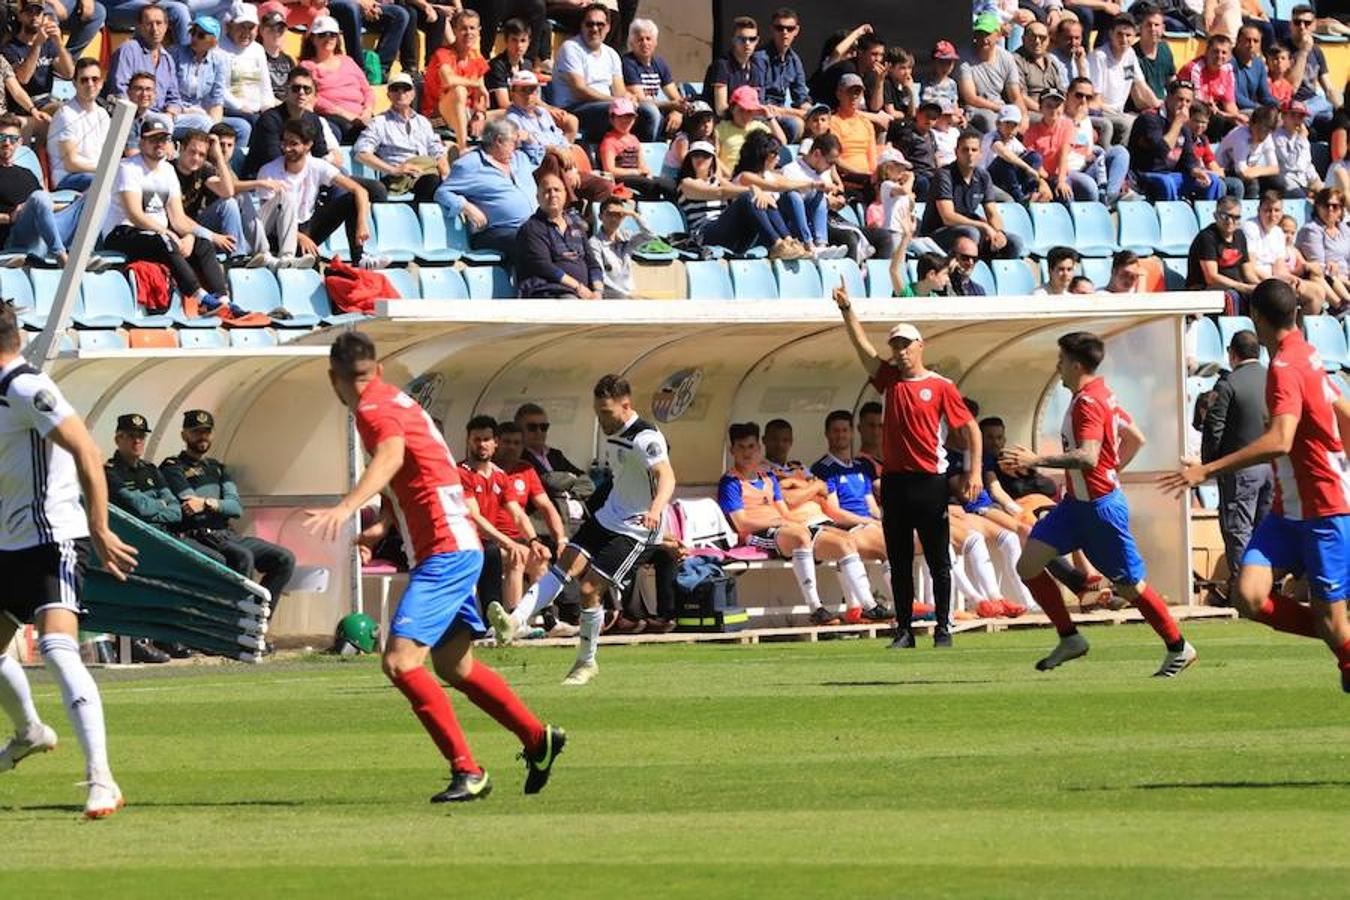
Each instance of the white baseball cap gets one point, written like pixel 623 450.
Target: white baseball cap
pixel 906 331
pixel 1010 113
pixel 324 25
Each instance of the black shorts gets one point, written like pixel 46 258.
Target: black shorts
pixel 612 555
pixel 42 577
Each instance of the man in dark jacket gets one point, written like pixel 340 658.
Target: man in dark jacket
pixel 1236 416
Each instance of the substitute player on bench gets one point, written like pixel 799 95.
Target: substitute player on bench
pixel 437 614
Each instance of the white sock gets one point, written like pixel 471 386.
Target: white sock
pixel 540 595
pixel 1006 559
pixel 886 582
pixel 981 567
pixel 966 593
pixel 79 694
pixel 853 579
pixel 923 582
pixel 804 567
pixel 16 699
pixel 592 620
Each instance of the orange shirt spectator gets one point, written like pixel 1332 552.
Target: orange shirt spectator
pixel 857 141
pixel 470 65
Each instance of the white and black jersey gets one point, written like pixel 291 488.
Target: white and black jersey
pixel 39 486
pixel 630 455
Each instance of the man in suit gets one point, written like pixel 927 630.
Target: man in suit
pixel 1236 416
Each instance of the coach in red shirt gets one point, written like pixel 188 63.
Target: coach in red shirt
pixel 920 407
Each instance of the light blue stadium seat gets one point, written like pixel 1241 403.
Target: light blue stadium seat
pixel 1298 209
pixel 253 338
pixel 97 339
pixel 457 239
pixel 663 218
pixel 1177 227
pixel 443 283
pixel 304 296
pixel 1015 221
pixel 692 89
pixel 1204 211
pixel 1139 231
pixel 798 279
pixel 105 301
pixel 405 283
pixel 879 279
pixel 752 279
pixel 489 283
pixel 396 233
pixel 1231 325
pixel 337 246
pixel 1095 235
pixel 1097 269
pixel 1328 335
pixel 1209 496
pixel 62 89
pixel 832 270
pixel 654 155
pixel 1013 277
pixel 435 242
pixel 1053 226
pixel 44 283
pixel 256 290
pixel 849 214
pixel 1174 272
pixel 984 277
pixel 206 338
pixel 921 206
pixel 1249 209
pixel 1208 345
pixel 709 280
pixel 15 287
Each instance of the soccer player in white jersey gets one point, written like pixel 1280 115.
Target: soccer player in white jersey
pixel 625 521
pixel 47 458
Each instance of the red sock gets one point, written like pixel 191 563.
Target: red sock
pixel 490 693
pixel 1343 656
pixel 1288 615
pixel 432 705
pixel 1051 602
pixel 1155 613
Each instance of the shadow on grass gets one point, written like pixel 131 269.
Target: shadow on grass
pixel 1213 786
pixel 205 804
pixel 900 682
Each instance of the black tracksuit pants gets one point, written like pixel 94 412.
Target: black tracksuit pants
pixel 916 502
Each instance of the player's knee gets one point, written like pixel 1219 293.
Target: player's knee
pixel 395 665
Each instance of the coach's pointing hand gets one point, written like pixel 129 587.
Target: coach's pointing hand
pixel 840 294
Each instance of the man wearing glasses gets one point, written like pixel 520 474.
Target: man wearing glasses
pixel 147 53
pixel 1040 72
pixel 588 75
pixel 78 131
pixel 966 253
pixel 27 222
pixel 401 144
pixel 738 67
pixel 1309 71
pixel 785 92
pixel 1218 258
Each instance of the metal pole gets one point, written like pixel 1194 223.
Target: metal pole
pixel 43 348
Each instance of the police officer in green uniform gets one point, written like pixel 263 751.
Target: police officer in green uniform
pixel 209 500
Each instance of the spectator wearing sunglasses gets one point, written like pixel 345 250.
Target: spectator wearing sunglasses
pixel 78 131
pixel 740 66
pixel 588 76
pixel 965 254
pixel 402 146
pixel 1218 258
pixel 785 91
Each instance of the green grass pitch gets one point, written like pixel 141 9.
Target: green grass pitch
pixel 832 770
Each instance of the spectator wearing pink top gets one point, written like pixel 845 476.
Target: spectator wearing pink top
pixel 1215 85
pixel 344 96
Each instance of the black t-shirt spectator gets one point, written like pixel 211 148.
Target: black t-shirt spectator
pixel 279 69
pixel 17 184
pixel 500 70
pixel 919 149
pixel 196 195
pixel 265 144
pixel 1210 245
pixel 968 198
pixel 1149 151
pixel 824 83
pixel 40 85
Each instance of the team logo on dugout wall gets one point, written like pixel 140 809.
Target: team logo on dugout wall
pixel 676 394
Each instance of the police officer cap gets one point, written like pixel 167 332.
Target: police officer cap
pixel 132 422
pixel 198 418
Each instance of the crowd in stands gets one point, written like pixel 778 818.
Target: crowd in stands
pixel 569 169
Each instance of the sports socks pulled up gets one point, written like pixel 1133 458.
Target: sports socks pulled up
pixel 804 568
pixel 1155 612
pixel 1046 593
pixel 432 706
pixel 592 620
pixel 80 696
pixel 853 579
pixel 490 693
pixel 16 698
pixel 542 593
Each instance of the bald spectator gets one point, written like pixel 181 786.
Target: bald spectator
pixel 965 254
pixel 1038 70
pixel 553 256
pixel 1218 258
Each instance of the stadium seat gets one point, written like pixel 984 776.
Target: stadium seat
pixel 306 299
pixel 663 218
pixel 99 339
pixel 1053 228
pixel 1297 209
pixel 205 338
pixel 435 242
pixel 797 279
pixel 1327 335
pixel 849 214
pixel 1231 325
pixel 1204 211
pixel 1013 277
pixel 337 246
pixel 15 287
pixel 1174 273
pixel 105 301
pixel 1095 235
pixel 1015 221
pixel 920 206
pixel 709 280
pixel 1138 228
pixel 879 279
pixel 654 155
pixel 1209 496
pixel 489 283
pixel 253 338
pixel 1097 269
pixel 1249 209
pixel 44 283
pixel 256 290
pixel 152 338
pixel 1177 227
pixel 443 283
pixel 396 233
pixel 752 279
pixel 984 277
pixel 457 239
pixel 1208 345
pixel 831 270
pixel 405 283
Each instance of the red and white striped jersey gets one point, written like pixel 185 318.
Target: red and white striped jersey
pixel 429 497
pixel 1093 415
pixel 1311 481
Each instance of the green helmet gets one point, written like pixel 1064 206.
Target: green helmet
pixel 357 633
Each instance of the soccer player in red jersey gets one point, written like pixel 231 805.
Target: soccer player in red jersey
pixel 437 614
pixel 505 553
pixel 528 491
pixel 1307 531
pixel 1093 516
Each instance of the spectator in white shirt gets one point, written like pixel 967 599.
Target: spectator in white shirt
pixel 78 131
pixel 403 147
pixel 1248 152
pixel 1267 247
pixel 588 74
pixel 1294 151
pixel 1116 75
pixel 248 81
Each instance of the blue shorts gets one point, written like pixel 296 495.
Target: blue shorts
pixel 979 504
pixel 1101 529
pixel 440 598
pixel 1317 548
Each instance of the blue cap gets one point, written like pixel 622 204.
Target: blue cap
pixel 208 24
